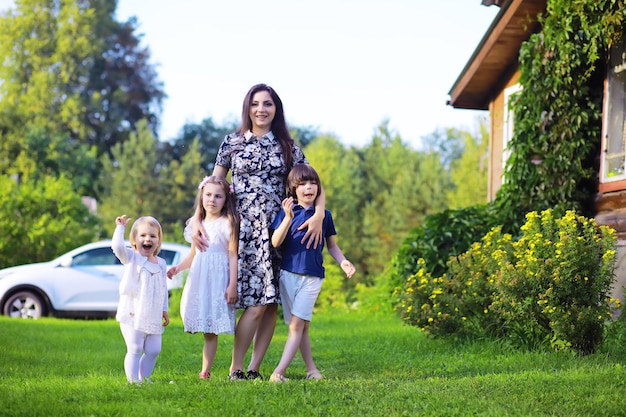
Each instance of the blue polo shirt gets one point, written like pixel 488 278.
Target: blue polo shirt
pixel 296 257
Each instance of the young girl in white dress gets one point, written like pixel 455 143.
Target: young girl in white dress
pixel 208 301
pixel 142 310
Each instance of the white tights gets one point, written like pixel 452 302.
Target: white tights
pixel 136 365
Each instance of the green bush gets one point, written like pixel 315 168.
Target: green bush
pixel 445 234
pixel 549 288
pixel 458 302
pixel 40 220
pixel 558 281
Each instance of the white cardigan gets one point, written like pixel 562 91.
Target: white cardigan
pixel 143 288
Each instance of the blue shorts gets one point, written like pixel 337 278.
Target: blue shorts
pixel 298 294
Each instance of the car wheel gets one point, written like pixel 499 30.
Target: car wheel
pixel 25 305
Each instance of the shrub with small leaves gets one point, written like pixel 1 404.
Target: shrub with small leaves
pixel 458 302
pixel 445 234
pixel 548 289
pixel 556 285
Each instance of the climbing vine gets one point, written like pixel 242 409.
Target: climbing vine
pixel 558 113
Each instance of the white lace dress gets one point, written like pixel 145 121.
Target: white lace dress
pixel 203 305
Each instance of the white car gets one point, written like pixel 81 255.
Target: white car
pixel 82 283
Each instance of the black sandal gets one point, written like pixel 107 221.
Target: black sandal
pixel 252 374
pixel 237 375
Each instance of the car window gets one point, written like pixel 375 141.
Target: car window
pixel 100 256
pixel 168 255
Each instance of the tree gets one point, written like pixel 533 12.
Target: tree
pixel 469 173
pixel 179 188
pixel 42 154
pixel 41 219
pixel 123 86
pixel 46 48
pixel 377 194
pixel 304 135
pixel 209 137
pixel 341 176
pixel 401 187
pixel 72 79
pixel 131 179
pixel 447 143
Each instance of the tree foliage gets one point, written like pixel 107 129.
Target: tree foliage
pixel 403 186
pixel 41 219
pixel 209 136
pixel 377 194
pixel 45 49
pixel 341 176
pixel 179 186
pixel 131 178
pixel 135 182
pixel 123 86
pixel 447 143
pixel 469 172
pixel 74 82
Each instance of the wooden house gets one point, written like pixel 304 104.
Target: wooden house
pixel 491 76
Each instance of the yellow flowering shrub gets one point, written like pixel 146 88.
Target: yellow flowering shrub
pixel 549 288
pixel 556 286
pixel 459 301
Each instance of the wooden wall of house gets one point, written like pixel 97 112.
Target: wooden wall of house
pixel 611 211
pixel 496 117
pixel 496 134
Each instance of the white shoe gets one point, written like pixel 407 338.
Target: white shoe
pixel 316 375
pixel 278 378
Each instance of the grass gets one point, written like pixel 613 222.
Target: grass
pixel 374 366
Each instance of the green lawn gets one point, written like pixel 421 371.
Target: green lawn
pixel 373 366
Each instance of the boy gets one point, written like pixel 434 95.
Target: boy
pixel 302 270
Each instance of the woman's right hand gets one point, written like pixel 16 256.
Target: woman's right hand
pixel 198 235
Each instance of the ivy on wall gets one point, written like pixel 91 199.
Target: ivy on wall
pixel 558 114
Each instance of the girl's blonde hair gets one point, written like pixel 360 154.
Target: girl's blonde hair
pixel 150 221
pixel 229 210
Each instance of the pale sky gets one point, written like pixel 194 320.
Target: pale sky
pixel 342 66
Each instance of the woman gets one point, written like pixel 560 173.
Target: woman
pixel 259 155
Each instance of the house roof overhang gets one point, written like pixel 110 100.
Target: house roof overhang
pixel 496 55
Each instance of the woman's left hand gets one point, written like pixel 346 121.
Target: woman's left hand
pixel 313 235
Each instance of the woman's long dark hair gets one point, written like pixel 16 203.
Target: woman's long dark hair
pixel 279 125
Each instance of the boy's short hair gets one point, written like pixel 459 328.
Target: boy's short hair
pixel 299 174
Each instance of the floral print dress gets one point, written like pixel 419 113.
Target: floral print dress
pixel 258 178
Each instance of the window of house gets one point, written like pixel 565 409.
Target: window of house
pixel 507 135
pixel 614 125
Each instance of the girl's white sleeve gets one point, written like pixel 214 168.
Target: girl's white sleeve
pixel 188 232
pixel 167 296
pixel 118 245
